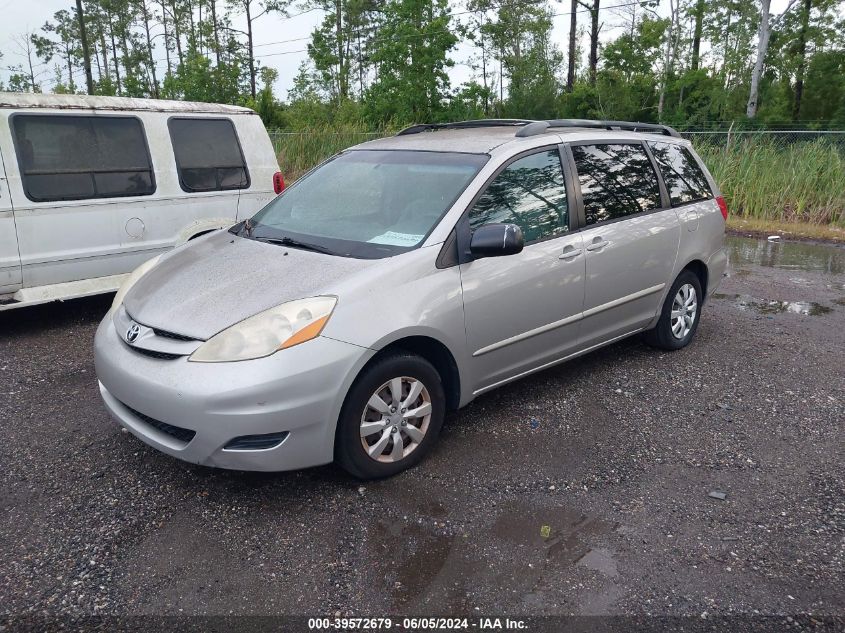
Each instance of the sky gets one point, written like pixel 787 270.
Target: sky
pixel 20 17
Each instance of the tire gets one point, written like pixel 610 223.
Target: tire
pixel 664 335
pixel 369 402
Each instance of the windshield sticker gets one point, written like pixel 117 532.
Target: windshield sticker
pixel 396 239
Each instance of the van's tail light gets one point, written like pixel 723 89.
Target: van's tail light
pixel 278 182
pixel 723 207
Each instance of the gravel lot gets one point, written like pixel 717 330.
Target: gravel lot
pixel 581 490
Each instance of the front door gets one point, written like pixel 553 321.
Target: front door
pixel 630 239
pixel 521 311
pixel 10 259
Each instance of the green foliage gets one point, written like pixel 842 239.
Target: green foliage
pixel 795 182
pixel 411 54
pixel 198 80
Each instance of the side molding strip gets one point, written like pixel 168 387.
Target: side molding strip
pixel 568 320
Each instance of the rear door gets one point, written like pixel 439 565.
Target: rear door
pixel 211 166
pixel 631 237
pixel 10 260
pixel 521 311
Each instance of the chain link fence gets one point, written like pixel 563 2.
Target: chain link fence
pixel 781 138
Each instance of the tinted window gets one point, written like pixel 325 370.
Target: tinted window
pixel 74 157
pixel 616 180
pixel 530 193
pixel 681 173
pixel 208 155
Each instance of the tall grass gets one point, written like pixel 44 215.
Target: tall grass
pixel 796 182
pixel 763 179
pixel 300 151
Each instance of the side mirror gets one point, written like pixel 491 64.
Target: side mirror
pixel 495 240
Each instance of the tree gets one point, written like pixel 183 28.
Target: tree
pixel 86 55
pixel 698 16
pixel 671 48
pixel 521 38
pixel 253 10
pixel 573 34
pixel 338 45
pixel 764 32
pixel 594 37
pixel 411 57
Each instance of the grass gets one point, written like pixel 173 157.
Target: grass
pixel 770 182
pixel 300 151
pixel 795 188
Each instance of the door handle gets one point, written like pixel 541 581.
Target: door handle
pixel 570 252
pixel 598 244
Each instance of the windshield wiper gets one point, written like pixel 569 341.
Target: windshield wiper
pixel 289 241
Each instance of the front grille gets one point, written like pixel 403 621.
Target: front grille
pixel 177 432
pixel 256 442
pixel 154 354
pixel 172 335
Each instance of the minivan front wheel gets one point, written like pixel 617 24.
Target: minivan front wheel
pixel 391 418
pixel 680 314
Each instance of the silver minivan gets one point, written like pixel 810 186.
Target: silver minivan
pixel 91 187
pixel 401 279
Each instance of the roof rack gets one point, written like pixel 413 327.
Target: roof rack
pixel 529 127
pixel 628 126
pixel 460 125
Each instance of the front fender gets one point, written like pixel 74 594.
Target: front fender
pixel 200 227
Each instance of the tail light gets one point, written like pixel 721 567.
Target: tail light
pixel 723 207
pixel 279 182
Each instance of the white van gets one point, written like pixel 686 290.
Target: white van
pixel 91 187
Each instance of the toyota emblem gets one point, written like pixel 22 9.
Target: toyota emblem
pixel 132 333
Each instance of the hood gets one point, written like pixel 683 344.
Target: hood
pixel 207 285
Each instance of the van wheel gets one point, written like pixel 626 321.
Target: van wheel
pixel 391 418
pixel 681 313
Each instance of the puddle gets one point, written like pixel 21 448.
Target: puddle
pixel 744 251
pixel 524 548
pixel 804 308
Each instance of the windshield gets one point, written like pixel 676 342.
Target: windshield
pixel 367 203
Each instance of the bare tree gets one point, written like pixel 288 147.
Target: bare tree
pixel 764 32
pixel 86 55
pixel 573 34
pixel 802 55
pixel 672 40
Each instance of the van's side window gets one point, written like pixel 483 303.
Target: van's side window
pixel 617 180
pixel 682 175
pixel 80 157
pixel 208 155
pixel 530 193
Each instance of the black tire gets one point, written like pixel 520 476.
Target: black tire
pixel 661 336
pixel 349 450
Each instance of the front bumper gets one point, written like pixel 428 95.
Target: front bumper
pixel 298 390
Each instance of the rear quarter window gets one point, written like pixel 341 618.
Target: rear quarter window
pixel 70 157
pixel 617 180
pixel 684 178
pixel 208 155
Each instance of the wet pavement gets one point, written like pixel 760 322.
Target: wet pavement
pixel 584 489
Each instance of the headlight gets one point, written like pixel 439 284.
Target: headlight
pixel 134 276
pixel 267 332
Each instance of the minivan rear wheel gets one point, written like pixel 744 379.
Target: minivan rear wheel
pixel 680 314
pixel 391 417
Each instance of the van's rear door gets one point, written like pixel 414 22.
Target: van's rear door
pixel 10 259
